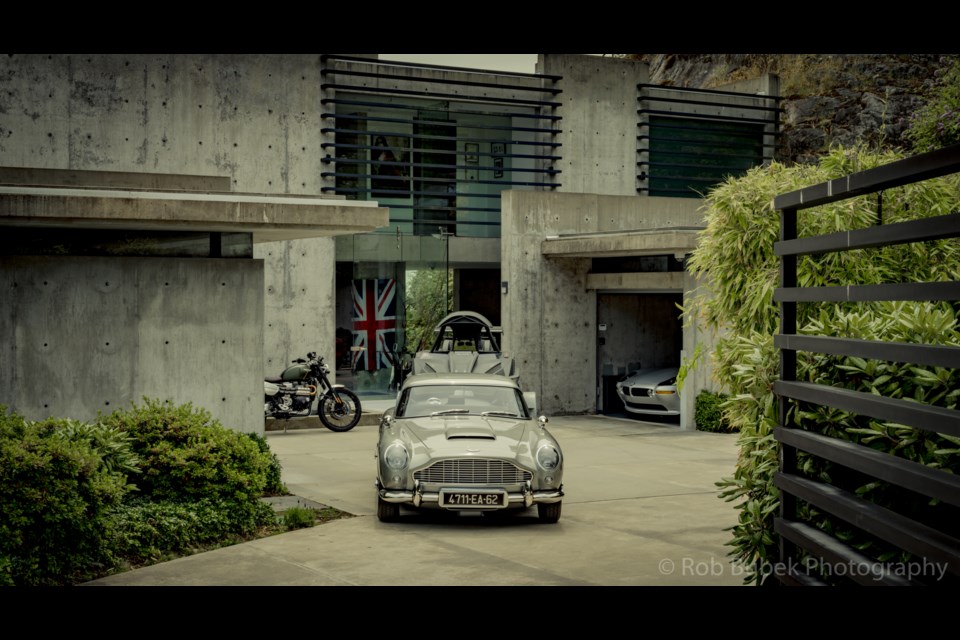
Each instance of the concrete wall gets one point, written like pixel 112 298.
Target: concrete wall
pixel 80 335
pixel 300 303
pixel 549 313
pixel 253 118
pixel 599 123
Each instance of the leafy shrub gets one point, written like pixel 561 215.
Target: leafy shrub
pixel 56 498
pixel 709 414
pixel 145 532
pixel 187 456
pixel 274 486
pixel 80 500
pixel 735 260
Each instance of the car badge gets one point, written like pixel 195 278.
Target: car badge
pixel 649 392
pixel 471 450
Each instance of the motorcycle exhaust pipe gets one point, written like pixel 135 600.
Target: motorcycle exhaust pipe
pixel 309 390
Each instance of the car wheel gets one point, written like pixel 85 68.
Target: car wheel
pixel 549 512
pixel 387 511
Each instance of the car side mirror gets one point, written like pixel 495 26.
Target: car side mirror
pixel 543 421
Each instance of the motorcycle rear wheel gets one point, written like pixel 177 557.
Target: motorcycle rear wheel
pixel 339 416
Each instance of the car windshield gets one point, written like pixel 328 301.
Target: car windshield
pixel 453 400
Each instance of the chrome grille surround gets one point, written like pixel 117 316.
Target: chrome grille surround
pixel 467 471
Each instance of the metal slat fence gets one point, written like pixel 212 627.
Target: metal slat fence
pixel 933 549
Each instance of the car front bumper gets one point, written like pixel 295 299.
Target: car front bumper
pixel 419 497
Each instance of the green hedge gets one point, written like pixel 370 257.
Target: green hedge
pixel 57 498
pixel 80 500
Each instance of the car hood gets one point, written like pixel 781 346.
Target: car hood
pixel 650 376
pixel 468 435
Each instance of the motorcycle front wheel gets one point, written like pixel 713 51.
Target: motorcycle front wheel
pixel 339 410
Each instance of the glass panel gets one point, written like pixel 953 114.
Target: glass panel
pixel 114 242
pixel 435 202
pixel 689 156
pixel 370 319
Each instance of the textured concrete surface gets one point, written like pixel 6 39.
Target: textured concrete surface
pixel 82 334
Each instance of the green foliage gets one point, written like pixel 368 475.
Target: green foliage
pixel 70 504
pixel 937 123
pixel 299 517
pixel 274 486
pixel 57 494
pixel 708 412
pixel 426 306
pixel 187 456
pixel 735 260
pixel 145 532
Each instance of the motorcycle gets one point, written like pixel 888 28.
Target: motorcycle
pixel 291 394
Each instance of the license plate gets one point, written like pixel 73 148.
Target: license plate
pixel 473 499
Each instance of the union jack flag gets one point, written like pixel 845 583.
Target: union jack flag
pixel 374 323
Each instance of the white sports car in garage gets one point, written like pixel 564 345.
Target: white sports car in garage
pixel 651 392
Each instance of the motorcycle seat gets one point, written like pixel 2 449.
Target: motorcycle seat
pixel 273 379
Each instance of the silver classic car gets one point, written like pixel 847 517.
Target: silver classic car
pixel 467 442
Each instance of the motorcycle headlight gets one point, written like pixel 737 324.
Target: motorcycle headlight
pixel 548 457
pixel 396 456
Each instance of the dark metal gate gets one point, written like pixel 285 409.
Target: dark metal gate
pixel 929 546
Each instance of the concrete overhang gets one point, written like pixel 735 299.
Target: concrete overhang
pixel 677 241
pixel 268 217
pixel 650 282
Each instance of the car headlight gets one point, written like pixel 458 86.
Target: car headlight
pixel 396 456
pixel 548 457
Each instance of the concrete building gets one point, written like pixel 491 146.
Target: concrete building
pixel 175 225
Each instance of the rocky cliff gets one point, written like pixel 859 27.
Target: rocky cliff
pixel 827 98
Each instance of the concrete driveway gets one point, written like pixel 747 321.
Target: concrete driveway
pixel 641 508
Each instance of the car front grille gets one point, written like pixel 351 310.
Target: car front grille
pixel 473 471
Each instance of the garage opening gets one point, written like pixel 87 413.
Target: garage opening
pixel 639 332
